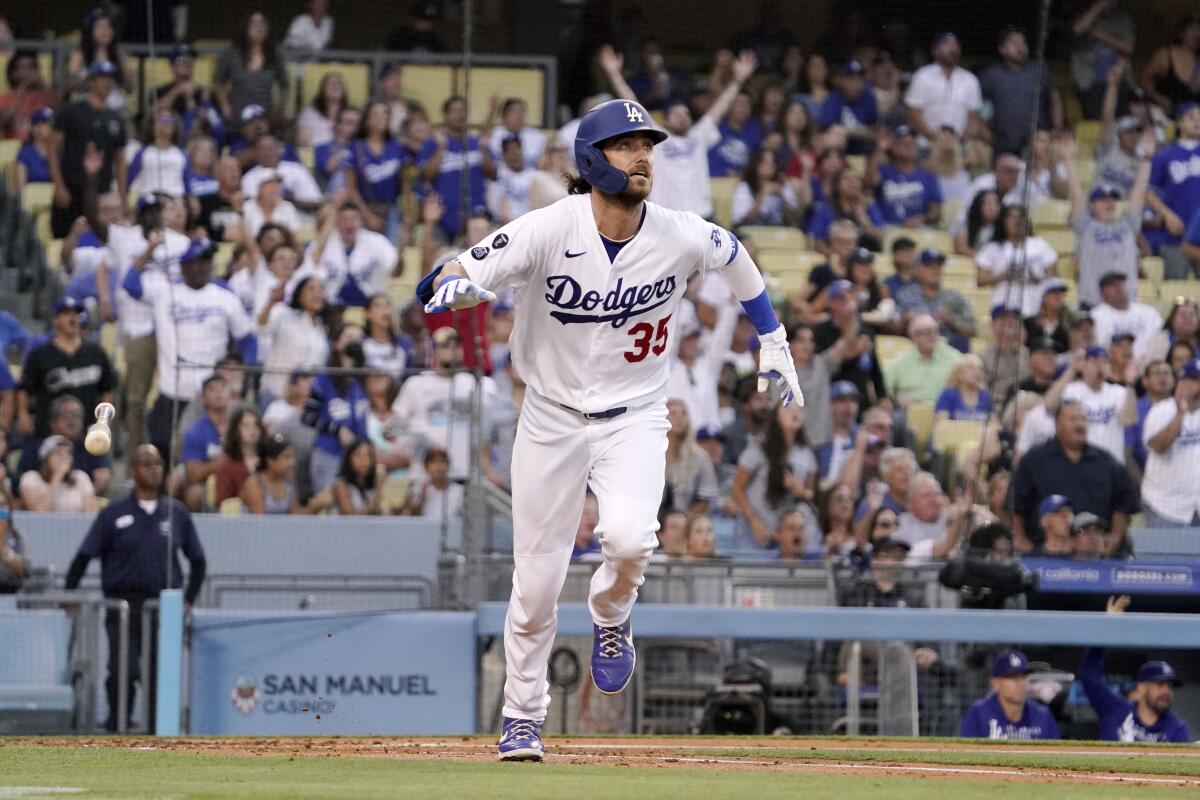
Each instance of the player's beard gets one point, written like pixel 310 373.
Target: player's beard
pixel 631 197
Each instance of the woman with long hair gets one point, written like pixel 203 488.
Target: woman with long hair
pixel 946 161
pixel 200 183
pixel 337 407
pixel 836 519
pixel 248 72
pixel 160 165
pixel 374 171
pixel 295 336
pixel 965 397
pixel 356 489
pixel 797 153
pixel 56 485
pixel 1171 76
pixel 241 453
pixel 847 200
pixel 700 537
pixel 982 217
pixel 381 340
pixel 1015 263
pixel 763 196
pixel 691 484
pixel 771 100
pixel 388 431
pixel 98 41
pixel 272 489
pixel 1182 326
pixel 33 159
pixel 775 476
pixel 816 84
pixel 315 124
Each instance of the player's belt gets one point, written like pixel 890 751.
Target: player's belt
pixel 612 412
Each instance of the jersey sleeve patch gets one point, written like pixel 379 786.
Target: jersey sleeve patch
pixel 718 237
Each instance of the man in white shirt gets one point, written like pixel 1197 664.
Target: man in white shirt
pixel 681 162
pixel 354 262
pixel 508 195
pixel 1110 407
pixel 311 31
pixel 268 205
pixel 299 186
pixel 1118 315
pixel 696 369
pixel 512 123
pixel 1171 488
pixel 194 321
pixel 944 94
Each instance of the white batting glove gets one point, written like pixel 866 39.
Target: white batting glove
pixel 775 361
pixel 457 293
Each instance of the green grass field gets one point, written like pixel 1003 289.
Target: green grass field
pixel 109 773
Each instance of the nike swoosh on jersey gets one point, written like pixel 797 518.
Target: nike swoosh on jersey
pixel 569 254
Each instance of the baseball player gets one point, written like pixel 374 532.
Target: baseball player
pixel 1009 712
pixel 598 278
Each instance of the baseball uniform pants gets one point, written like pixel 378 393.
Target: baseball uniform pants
pixel 556 456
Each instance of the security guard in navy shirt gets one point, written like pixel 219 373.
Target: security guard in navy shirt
pixel 130 537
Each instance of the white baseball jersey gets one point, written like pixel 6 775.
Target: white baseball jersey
pixel 193 328
pixel 352 276
pixel 681 169
pixel 1036 257
pixel 125 246
pixel 1141 320
pixel 298 182
pixel 1104 415
pixel 1172 484
pixel 591 334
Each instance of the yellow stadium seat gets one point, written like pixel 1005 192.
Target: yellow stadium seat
pixel 231 507
pixel 54 253
pixel 393 495
pixel 157 71
pixel 1061 239
pixel 429 85
pixel 8 151
pixel 774 237
pixel 306 156
pixel 42 227
pixel 1087 172
pixel 959 282
pixel 924 237
pixel 1068 268
pixel 857 163
pixel 1087 134
pixel 722 196
pixel 504 82
pixel 1050 213
pixel 781 261
pixel 1152 268
pixel 354 315
pixel 920 420
pixel 950 211
pixel 412 261
pixel 959 265
pixel 981 305
pixel 949 435
pixel 212 44
pixel 37 197
pixel 1168 291
pixel 978 344
pixel 357 78
pixel 889 348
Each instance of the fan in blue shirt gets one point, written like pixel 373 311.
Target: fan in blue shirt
pixel 442 159
pixel 907 194
pixel 1148 718
pixel 1008 712
pixel 1175 174
pixel 852 104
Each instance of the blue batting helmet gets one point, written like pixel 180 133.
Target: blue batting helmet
pixel 606 121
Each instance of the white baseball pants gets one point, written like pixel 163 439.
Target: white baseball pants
pixel 556 456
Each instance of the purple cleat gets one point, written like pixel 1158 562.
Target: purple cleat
pixel 613 657
pixel 521 740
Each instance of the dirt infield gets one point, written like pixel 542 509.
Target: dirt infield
pixel 825 756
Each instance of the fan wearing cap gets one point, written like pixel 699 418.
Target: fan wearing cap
pixel 1118 314
pixel 33 159
pixel 1008 712
pixel 854 341
pixel 1005 360
pixel 1051 320
pixel 65 365
pixel 1089 536
pixel 194 322
pixel 56 485
pixel 1055 514
pixel 299 186
pixel 927 295
pixel 267 205
pixel 1171 433
pixel 1010 85
pixel 1145 718
pixel 943 93
pixel 159 165
pixel 906 193
pixel 87 125
pixel 1176 193
pixel 1110 407
pixel 852 105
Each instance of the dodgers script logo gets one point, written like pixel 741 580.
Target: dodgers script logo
pixel 621 302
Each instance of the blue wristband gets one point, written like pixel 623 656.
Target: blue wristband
pixel 761 313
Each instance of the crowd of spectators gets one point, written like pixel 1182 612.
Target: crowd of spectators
pixel 251 286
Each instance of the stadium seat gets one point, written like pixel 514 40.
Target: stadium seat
pixel 1061 239
pixel 54 253
pixel 157 71
pixel 1087 172
pixel 857 163
pixel 37 197
pixel 722 196
pixel 959 265
pixel 920 420
pixel 393 495
pixel 924 237
pixel 959 282
pixel 950 210
pixel 231 506
pixel 35 681
pixel 781 262
pixel 888 348
pixel 354 315
pixel 1168 291
pixel 774 237
pixel 1087 134
pixel 1152 268
pixel 1068 268
pixel 950 434
pixel 357 78
pixel 307 157
pixel 1050 213
pixel 503 82
pixel 429 85
pixel 8 150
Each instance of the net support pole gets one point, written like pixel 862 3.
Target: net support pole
pixel 169 686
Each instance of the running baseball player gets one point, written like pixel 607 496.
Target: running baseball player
pixel 597 279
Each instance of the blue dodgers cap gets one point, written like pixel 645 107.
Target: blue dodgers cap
pixel 198 249
pixel 1190 370
pixel 1122 336
pixel 43 114
pixel 66 303
pixel 1183 108
pixel 253 111
pixel 1000 309
pixel 1010 662
pixel 839 288
pixel 181 51
pixel 1158 672
pixel 843 389
pixel 942 37
pixel 1095 351
pixel 1053 503
pixel 931 255
pixel 1103 190
pixel 102 69
pixel 851 67
pixel 709 433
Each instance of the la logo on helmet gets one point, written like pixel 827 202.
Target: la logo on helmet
pixel 633 113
